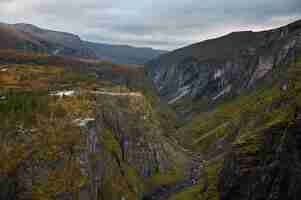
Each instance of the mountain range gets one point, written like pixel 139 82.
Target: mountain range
pixel 27 37
pixel 212 70
pixel 216 120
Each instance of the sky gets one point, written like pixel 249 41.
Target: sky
pixel 160 24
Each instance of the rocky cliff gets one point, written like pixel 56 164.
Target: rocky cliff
pixel 249 145
pixel 272 171
pixel 248 84
pixel 76 129
pixel 127 147
pixel 210 71
pixel 69 135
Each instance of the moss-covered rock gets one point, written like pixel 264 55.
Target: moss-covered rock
pixel 206 187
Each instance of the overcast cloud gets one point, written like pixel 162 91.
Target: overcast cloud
pixel 165 24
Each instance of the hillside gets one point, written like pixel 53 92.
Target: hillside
pixel 218 120
pixel 241 96
pixel 30 38
pixel 212 71
pixel 123 54
pixel 67 133
pixel 250 145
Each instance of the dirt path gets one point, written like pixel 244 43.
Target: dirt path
pixel 136 94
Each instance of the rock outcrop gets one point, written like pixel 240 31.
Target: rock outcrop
pixel 104 134
pixel 252 138
pixel 67 135
pixel 251 145
pixel 272 171
pixel 125 147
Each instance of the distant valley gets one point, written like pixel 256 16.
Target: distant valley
pixel 216 120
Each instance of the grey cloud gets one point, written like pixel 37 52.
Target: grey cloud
pixel 156 23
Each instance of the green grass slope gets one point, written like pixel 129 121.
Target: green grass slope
pixel 241 125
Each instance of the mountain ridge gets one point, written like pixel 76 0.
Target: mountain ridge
pixel 31 38
pixel 218 68
pixel 75 128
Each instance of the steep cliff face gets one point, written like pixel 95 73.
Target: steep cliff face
pixel 127 147
pixel 67 135
pixel 250 144
pixel 215 69
pixel 134 125
pixel 272 171
pixel 104 134
pixel 264 163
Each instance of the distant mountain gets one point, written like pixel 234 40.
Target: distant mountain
pixel 30 38
pixel 85 129
pixel 123 53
